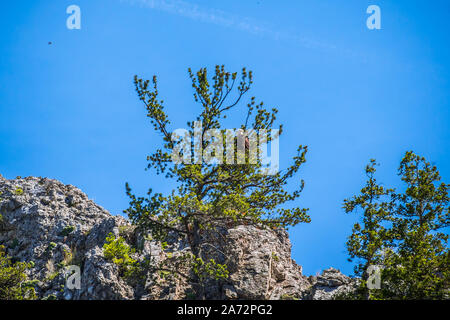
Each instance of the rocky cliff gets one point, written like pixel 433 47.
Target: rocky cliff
pixel 55 226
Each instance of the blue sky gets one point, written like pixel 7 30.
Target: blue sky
pixel 69 111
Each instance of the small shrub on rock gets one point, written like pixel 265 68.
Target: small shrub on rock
pixel 13 280
pixel 117 251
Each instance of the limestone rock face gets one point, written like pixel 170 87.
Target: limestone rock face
pixel 261 266
pixel 329 285
pixel 55 226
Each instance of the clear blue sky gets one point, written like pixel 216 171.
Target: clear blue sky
pixel 69 111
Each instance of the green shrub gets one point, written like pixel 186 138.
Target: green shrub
pixel 13 284
pixel 31 284
pixel 50 248
pixel 117 251
pixel 52 276
pixel 67 230
pixel 275 257
pixel 68 259
pixel 18 191
pixel 210 269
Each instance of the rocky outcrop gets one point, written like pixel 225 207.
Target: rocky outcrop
pixel 262 267
pixel 329 285
pixel 55 226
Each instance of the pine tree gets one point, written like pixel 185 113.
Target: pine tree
pixel 211 196
pixel 417 266
pixel 369 236
pixel 403 232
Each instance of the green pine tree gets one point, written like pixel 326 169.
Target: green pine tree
pixel 210 197
pixel 369 237
pixel 403 233
pixel 417 264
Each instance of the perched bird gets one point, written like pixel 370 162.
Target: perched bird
pixel 240 135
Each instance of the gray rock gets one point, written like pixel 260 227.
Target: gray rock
pixel 331 284
pixel 55 225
